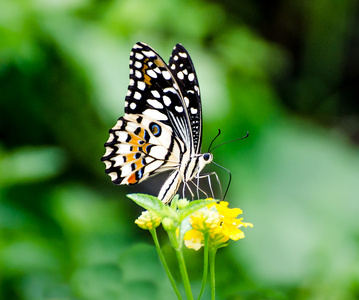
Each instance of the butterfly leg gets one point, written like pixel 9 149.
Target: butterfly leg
pixel 208 176
pixel 198 189
pixel 185 184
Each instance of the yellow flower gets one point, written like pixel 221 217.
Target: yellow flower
pixel 148 220
pixel 219 221
pixel 193 239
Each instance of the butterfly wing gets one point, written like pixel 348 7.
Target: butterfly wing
pixel 156 130
pixel 139 147
pixel 182 69
pixel 154 92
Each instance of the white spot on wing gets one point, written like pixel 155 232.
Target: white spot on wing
pixel 148 160
pixel 170 89
pixel 158 152
pixel 126 170
pixel 122 135
pixel 180 75
pixel 151 73
pixel 128 93
pixel 141 85
pixel 196 89
pixel 166 75
pixel 137 96
pixel 153 166
pixel 139 56
pixel 156 94
pixel 167 101
pixel 110 139
pixel 149 53
pixel 108 151
pixel 138 65
pixel 173 66
pixel 133 105
pixel 179 109
pixel 138 74
pixel 157 70
pixel 119 160
pixel 108 164
pixel 182 54
pixel 113 176
pixel 123 149
pixel 155 114
pixel 132 82
pixel 175 57
pixel 186 100
pixel 193 110
pixel 119 123
pixel 155 103
pixel 191 77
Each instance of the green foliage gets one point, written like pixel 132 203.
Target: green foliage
pixel 285 72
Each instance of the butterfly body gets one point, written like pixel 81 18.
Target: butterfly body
pixel 162 126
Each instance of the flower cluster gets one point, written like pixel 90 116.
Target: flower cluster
pixel 196 223
pixel 217 221
pixel 148 220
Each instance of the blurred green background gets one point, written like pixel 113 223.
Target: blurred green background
pixel 286 71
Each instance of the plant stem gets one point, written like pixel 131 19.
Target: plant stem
pixel 212 256
pixel 205 266
pixel 164 264
pixel 184 274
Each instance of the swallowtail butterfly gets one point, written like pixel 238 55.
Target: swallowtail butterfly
pixel 162 126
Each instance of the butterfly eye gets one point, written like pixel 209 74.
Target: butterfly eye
pixel 206 156
pixel 155 129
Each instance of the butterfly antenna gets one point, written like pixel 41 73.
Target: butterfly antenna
pixel 230 178
pixel 241 138
pixel 210 145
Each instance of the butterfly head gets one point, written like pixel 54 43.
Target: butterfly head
pixel 204 159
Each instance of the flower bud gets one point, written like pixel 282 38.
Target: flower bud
pixel 148 220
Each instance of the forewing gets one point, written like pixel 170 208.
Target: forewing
pixel 181 67
pixel 139 147
pixel 153 91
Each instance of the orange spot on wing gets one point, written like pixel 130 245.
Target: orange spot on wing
pixel 147 79
pixel 159 63
pixel 132 178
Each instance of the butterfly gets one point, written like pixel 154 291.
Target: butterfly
pixel 162 126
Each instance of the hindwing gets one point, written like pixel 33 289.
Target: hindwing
pixel 139 147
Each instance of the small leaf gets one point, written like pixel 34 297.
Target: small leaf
pixel 148 202
pixel 174 201
pixel 192 207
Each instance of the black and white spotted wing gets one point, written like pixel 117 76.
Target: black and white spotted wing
pixel 162 126
pixel 182 68
pixel 154 92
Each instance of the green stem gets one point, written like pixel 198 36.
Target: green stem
pixel 184 274
pixel 212 256
pixel 205 266
pixel 163 261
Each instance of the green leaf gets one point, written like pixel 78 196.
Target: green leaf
pixel 192 207
pixel 174 201
pixel 148 202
